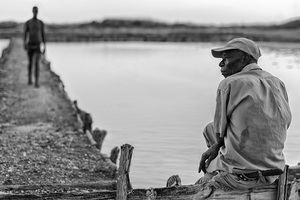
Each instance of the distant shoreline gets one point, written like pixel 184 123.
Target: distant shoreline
pixel 143 30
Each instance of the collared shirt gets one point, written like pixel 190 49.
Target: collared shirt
pixel 253 115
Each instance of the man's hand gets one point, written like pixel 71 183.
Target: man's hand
pixel 44 48
pixel 208 156
pixel 25 46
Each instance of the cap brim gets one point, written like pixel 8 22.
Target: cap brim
pixel 217 53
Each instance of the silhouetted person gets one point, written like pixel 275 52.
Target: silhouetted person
pixel 34 35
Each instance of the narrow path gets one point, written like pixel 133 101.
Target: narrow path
pixel 39 138
pixel 46 104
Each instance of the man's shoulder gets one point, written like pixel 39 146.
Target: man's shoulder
pixel 28 21
pixel 40 21
pixel 247 78
pixel 231 80
pixel 34 21
pixel 239 80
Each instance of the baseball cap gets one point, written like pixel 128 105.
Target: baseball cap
pixel 243 44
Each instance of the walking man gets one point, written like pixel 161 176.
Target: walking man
pixel 246 139
pixel 34 35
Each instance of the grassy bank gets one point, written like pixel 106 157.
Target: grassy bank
pixel 143 30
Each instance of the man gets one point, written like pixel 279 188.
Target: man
pixel 34 35
pixel 246 139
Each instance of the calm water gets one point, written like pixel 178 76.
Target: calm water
pixel 158 97
pixel 3 44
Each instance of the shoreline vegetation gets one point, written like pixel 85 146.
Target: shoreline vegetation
pixel 147 30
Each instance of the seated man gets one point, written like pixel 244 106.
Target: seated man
pixel 246 139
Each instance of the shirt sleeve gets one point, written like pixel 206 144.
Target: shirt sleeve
pixel 26 26
pixel 25 31
pixel 220 118
pixel 287 109
pixel 43 32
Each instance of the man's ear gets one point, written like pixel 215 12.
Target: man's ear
pixel 246 59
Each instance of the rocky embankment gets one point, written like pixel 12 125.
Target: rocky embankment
pixel 41 142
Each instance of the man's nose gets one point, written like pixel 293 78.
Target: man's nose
pixel 221 64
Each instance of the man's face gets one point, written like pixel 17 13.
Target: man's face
pixel 232 62
pixel 35 11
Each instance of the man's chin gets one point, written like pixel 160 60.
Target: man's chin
pixel 225 75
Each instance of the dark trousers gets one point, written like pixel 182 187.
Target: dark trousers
pixel 34 55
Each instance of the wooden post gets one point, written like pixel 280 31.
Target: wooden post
pixel 123 182
pixel 91 139
pixel 282 184
pixel 114 154
pixel 99 136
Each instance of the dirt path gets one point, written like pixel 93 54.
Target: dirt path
pixel 39 138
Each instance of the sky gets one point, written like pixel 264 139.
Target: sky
pixel 192 11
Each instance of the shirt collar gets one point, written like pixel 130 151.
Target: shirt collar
pixel 250 67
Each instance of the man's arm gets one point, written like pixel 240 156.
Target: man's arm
pixel 210 154
pixel 43 36
pixel 25 35
pixel 220 126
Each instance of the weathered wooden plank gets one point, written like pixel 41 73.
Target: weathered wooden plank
pixel 123 182
pixel 188 192
pixel 177 193
pixel 99 185
pixel 103 195
pixel 282 185
pixel 264 194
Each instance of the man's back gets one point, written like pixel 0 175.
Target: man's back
pixel 253 116
pixel 34 28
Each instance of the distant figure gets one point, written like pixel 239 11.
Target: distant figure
pixel 34 35
pixel 85 117
pixel 246 139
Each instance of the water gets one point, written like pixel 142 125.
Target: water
pixel 3 44
pixel 158 97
